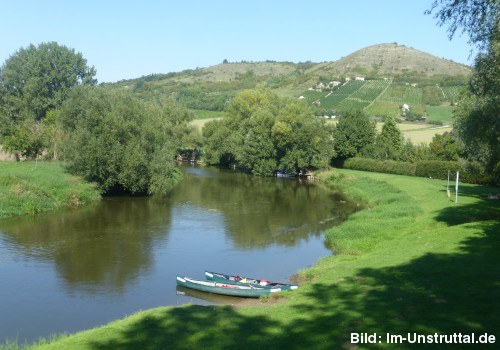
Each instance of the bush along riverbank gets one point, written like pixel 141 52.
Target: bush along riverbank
pixel 415 264
pixel 31 188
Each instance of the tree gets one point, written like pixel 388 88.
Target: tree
pixel 390 140
pixel 477 18
pixel 120 142
pixel 264 133
pixel 37 79
pixel 477 116
pixel 353 132
pixel 444 147
pixel 34 81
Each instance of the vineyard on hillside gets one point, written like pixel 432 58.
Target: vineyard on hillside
pixel 382 96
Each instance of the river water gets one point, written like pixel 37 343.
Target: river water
pixel 79 269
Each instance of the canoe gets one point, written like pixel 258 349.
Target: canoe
pixel 243 290
pixel 237 280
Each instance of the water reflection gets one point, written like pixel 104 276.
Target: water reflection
pixel 263 211
pixel 100 248
pixel 106 246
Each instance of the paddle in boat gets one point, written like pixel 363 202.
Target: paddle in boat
pixel 237 280
pixel 243 290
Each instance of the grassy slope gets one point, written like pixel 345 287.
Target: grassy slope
pixel 430 266
pixel 442 113
pixel 26 190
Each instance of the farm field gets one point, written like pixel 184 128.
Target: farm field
pixel 383 97
pixel 417 133
pixel 442 113
pixel 451 92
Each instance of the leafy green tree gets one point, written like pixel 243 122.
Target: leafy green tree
pixel 217 143
pixel 353 132
pixel 33 81
pixel 444 147
pixel 390 140
pixel 25 138
pixel 36 79
pixel 477 116
pixel 264 133
pixel 477 18
pixel 120 142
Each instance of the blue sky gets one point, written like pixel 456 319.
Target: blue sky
pixel 128 39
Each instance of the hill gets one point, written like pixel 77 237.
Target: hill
pixel 390 60
pixel 398 74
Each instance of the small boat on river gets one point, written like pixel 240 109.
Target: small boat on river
pixel 237 280
pixel 236 290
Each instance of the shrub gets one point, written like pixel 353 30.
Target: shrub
pixel 435 169
pixel 385 166
pixel 439 170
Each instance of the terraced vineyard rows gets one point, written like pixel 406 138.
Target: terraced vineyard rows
pixel 355 94
pixel 451 92
pixel 358 94
pixel 402 94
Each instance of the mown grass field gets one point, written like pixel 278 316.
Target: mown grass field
pixel 413 262
pixel 30 188
pixel 423 134
pixel 442 113
pixel 416 132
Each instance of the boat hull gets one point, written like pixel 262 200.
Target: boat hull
pixel 222 278
pixel 245 291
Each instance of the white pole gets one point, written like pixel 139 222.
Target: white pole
pixel 456 189
pixel 448 187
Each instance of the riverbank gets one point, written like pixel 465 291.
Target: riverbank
pixel 415 262
pixel 30 188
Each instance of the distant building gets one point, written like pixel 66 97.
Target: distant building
pixel 302 98
pixel 406 107
pixel 360 78
pixel 317 103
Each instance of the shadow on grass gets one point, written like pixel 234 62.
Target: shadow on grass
pixel 485 209
pixel 434 293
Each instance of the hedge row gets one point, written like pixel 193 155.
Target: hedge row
pixel 380 166
pixel 429 168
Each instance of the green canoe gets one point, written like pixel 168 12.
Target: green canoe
pixel 225 288
pixel 219 277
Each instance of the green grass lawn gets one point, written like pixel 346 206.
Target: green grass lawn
pixel 413 261
pixel 30 188
pixel 441 113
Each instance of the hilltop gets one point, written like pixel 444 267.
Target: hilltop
pixel 391 60
pixel 397 74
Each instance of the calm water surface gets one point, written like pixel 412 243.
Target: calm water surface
pixel 74 270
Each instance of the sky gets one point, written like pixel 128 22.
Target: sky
pixel 129 39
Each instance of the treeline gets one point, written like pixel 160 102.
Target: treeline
pixel 265 133
pixel 51 106
pixel 358 146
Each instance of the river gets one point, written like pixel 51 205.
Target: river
pixel 78 269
